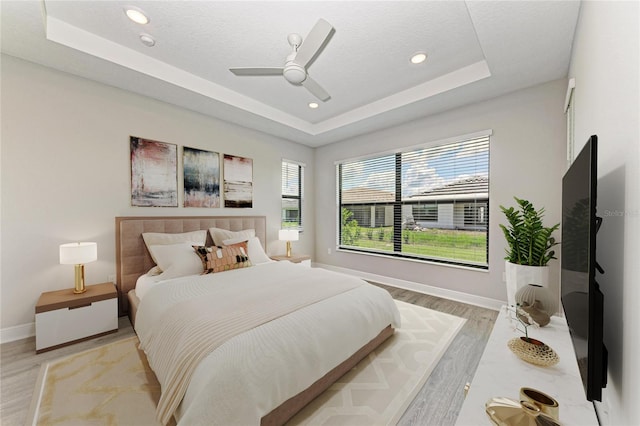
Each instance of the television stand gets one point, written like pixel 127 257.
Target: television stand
pixel 502 373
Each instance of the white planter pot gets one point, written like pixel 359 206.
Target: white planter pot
pixel 519 276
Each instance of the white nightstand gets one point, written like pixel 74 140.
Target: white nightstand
pixel 63 318
pixel 304 259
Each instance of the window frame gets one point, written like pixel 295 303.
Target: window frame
pixel 398 204
pixel 569 110
pixel 284 224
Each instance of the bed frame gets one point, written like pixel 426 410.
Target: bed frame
pixel 133 260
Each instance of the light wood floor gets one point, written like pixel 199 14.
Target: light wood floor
pixel 440 399
pixel 438 403
pixel 20 367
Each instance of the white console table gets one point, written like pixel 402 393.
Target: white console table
pixel 501 373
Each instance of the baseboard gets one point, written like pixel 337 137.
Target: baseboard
pixel 458 296
pixel 17 332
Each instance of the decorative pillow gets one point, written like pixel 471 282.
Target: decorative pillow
pixel 254 249
pixel 219 259
pixel 159 238
pixel 218 235
pixel 176 260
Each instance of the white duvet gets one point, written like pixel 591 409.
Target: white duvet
pixel 254 372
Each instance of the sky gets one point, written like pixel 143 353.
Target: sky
pixel 422 170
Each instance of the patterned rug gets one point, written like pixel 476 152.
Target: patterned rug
pixel 114 385
pixel 381 387
pixel 109 385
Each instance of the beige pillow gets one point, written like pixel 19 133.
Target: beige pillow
pixel 158 238
pixel 218 235
pixel 176 260
pixel 220 259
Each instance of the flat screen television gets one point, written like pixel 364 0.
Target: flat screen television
pixel 582 299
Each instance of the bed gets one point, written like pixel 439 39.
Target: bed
pixel 312 326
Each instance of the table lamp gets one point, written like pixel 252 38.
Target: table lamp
pixel 288 235
pixel 78 254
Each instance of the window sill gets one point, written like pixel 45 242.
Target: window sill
pixel 414 260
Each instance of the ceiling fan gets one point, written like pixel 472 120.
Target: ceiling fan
pixel 294 70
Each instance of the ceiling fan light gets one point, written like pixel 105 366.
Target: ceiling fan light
pixel 418 58
pixel 136 15
pixel 313 105
pixel 294 73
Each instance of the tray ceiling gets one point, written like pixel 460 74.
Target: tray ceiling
pixel 476 50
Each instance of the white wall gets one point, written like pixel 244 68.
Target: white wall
pixel 527 154
pixel 604 64
pixel 66 175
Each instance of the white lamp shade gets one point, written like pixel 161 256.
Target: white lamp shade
pixel 78 253
pixel 288 235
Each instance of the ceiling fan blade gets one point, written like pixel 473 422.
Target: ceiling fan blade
pixel 257 71
pixel 312 45
pixel 315 89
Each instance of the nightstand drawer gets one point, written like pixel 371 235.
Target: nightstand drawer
pixel 66 325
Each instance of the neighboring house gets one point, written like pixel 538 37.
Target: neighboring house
pixel 462 204
pixel 370 207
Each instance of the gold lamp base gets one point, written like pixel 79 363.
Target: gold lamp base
pixel 79 280
pixel 288 248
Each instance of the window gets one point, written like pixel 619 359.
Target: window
pixel 569 110
pixel 425 212
pixel 292 184
pixel 429 203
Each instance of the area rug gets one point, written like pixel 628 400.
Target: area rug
pixel 113 384
pixel 379 389
pixel 109 385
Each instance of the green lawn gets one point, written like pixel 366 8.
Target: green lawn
pixel 440 243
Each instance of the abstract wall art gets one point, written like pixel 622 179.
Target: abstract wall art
pixel 154 176
pixel 201 178
pixel 238 181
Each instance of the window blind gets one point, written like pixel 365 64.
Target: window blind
pixel 429 203
pixel 292 184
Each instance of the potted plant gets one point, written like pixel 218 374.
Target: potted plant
pixel 529 249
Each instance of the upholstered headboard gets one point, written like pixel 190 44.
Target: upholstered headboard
pixel 133 259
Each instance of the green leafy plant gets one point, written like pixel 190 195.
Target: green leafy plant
pixel 530 242
pixel 350 228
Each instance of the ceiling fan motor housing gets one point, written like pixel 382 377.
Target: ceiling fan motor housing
pixel 294 73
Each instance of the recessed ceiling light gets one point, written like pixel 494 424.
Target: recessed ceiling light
pixel 136 15
pixel 147 40
pixel 313 105
pixel 418 58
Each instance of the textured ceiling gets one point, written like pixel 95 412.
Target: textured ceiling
pixel 476 50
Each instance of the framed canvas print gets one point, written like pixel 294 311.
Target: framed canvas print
pixel 238 181
pixel 201 178
pixel 154 173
